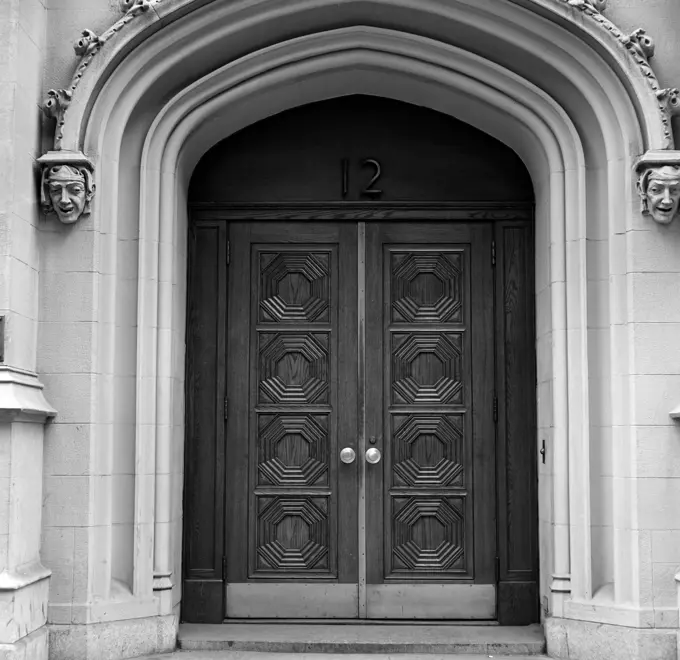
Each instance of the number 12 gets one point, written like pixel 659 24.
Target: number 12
pixel 369 189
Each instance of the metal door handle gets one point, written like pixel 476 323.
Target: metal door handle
pixel 373 455
pixel 347 455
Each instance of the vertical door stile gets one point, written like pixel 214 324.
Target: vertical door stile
pixel 361 405
pixel 203 575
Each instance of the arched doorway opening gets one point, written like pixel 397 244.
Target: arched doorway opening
pixel 554 81
pixel 361 298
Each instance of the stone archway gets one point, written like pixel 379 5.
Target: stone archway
pixel 569 98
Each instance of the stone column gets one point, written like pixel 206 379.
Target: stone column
pixel 24 581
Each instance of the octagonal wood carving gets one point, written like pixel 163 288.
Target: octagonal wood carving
pixel 293 450
pixel 292 533
pixel 426 288
pixel 428 534
pixel 428 451
pixel 294 368
pixel 295 287
pixel 426 368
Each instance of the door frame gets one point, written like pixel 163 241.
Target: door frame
pixel 516 577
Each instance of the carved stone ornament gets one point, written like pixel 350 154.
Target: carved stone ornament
pixel 66 185
pixel 658 185
pixel 86 47
pixel 638 44
pixel 597 5
pixel 641 47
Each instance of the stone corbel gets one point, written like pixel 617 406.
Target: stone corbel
pixel 658 185
pixel 66 185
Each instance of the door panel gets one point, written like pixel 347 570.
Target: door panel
pixel 295 368
pixel 429 317
pixel 431 601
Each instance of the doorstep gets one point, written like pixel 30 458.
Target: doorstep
pixel 247 655
pixel 362 639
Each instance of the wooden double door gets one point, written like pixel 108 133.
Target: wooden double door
pixel 360 436
pixel 359 474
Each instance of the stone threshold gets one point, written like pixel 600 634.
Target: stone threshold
pixel 249 655
pixel 363 639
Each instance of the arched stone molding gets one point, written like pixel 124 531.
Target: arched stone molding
pixel 576 126
pixel 622 55
pixel 391 64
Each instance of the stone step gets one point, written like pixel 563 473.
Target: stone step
pixel 362 639
pixel 249 655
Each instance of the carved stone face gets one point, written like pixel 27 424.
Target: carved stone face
pixel 662 193
pixel 68 199
pixel 67 192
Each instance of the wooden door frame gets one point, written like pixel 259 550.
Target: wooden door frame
pixel 518 595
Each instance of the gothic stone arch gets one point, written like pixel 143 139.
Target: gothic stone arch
pixel 552 79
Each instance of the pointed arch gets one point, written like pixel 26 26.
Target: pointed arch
pixel 551 81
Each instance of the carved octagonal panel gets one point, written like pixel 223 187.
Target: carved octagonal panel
pixel 428 451
pixel 426 287
pixel 293 450
pixel 292 533
pixel 428 534
pixel 293 368
pixel 426 368
pixel 294 287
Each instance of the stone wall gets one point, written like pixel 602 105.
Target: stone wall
pixel 58 321
pixel 653 368
pixel 23 410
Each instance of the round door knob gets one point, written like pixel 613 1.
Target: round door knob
pixel 347 455
pixel 373 455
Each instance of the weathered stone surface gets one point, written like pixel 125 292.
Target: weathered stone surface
pixel 72 323
pixel 266 638
pixel 249 655
pixel 31 647
pixel 113 639
pixel 583 640
pixel 23 610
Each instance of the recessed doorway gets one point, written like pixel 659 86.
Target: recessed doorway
pixel 361 372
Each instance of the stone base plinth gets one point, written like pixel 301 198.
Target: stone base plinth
pixel 568 639
pixel 114 640
pixel 31 647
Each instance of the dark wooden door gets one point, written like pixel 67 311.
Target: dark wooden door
pixel 430 499
pixel 292 399
pixel 445 524
pixel 373 337
pixel 370 336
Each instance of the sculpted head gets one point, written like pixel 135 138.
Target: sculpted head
pixel 67 190
pixel 659 189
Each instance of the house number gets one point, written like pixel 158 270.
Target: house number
pixel 376 171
